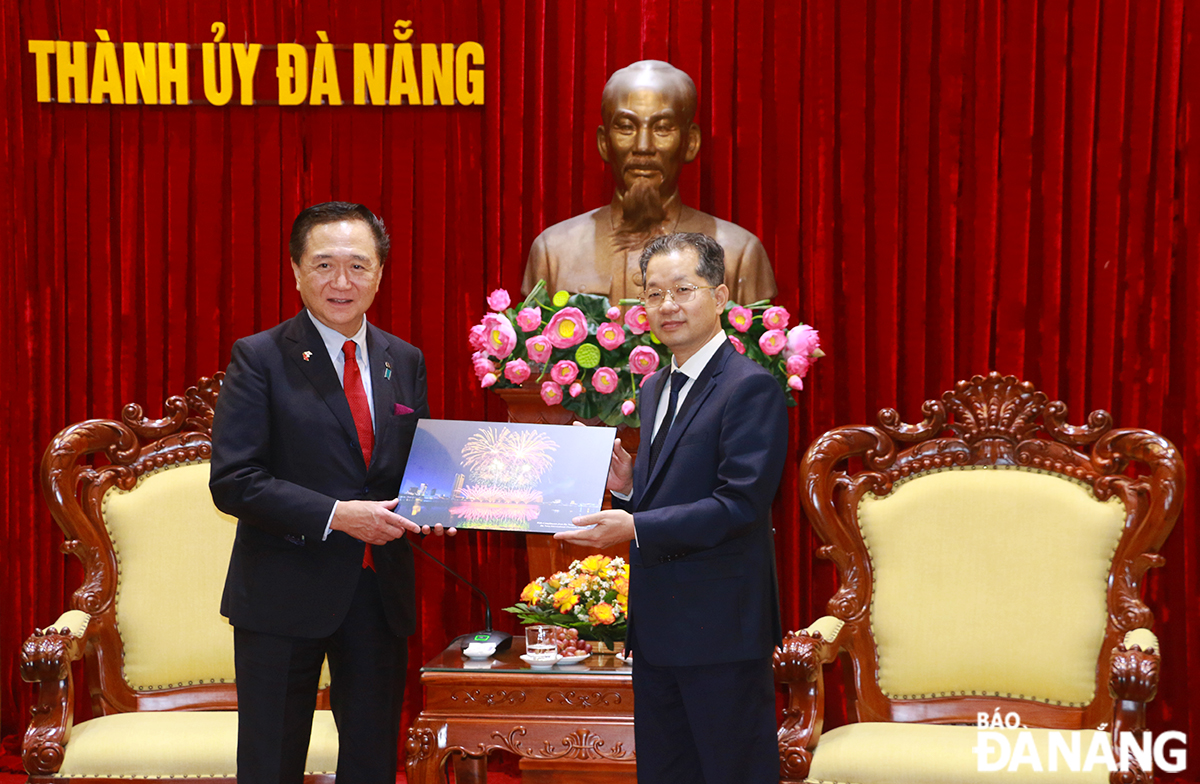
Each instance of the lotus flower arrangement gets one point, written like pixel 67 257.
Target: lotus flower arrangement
pixel 591 596
pixel 592 358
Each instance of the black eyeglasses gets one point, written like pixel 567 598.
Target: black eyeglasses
pixel 680 295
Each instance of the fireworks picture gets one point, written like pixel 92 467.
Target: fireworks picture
pixel 511 477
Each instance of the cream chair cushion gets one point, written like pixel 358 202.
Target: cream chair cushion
pixel 990 580
pixel 165 744
pixel 173 548
pixel 898 753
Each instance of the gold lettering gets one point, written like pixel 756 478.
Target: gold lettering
pixel 293 74
pixel 370 73
pixel 468 81
pixel 173 74
pixel 41 51
pixel 141 75
pixel 404 76
pixel 437 71
pixel 106 74
pixel 217 91
pixel 246 58
pixel 402 29
pixel 324 79
pixel 70 62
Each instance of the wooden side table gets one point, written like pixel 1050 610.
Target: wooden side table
pixel 577 718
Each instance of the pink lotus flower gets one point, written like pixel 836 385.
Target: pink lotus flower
pixel 627 407
pixel 487 380
pixel 529 319
pixel 498 300
pixel 797 365
pixel 477 338
pixel 564 371
pixel 517 371
pixel 576 389
pixel 610 335
pixel 613 313
pixel 776 318
pixel 643 360
pixel 738 345
pixel 567 328
pixel 538 348
pixel 637 320
pixel 501 337
pixel 795 382
pixel 642 383
pixel 740 318
pixel 482 365
pixel 802 340
pixel 552 393
pixel 605 380
pixel 772 341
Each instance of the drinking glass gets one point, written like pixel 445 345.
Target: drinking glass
pixel 539 643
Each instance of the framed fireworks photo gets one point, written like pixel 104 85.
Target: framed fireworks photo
pixel 505 476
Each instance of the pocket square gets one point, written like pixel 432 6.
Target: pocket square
pixel 402 409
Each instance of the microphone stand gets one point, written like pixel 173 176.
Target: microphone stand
pixel 488 636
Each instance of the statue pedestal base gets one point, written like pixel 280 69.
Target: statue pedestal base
pixel 546 554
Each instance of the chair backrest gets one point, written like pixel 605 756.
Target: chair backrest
pixel 131 497
pixel 991 556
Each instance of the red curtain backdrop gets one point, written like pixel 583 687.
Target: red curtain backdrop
pixel 944 188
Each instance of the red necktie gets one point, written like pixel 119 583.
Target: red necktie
pixel 356 396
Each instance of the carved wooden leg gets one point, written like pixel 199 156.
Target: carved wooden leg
pixel 423 764
pixel 470 770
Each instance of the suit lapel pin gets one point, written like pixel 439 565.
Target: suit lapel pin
pixel 387 371
pixel 307 355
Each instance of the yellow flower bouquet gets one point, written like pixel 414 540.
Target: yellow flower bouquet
pixel 591 596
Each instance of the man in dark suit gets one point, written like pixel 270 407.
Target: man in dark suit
pixel 311 434
pixel 703 596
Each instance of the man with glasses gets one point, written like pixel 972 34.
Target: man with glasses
pixel 695 507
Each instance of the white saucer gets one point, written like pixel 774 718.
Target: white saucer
pixel 538 664
pixel 477 656
pixel 567 660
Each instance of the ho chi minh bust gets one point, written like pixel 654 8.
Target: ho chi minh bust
pixel 646 138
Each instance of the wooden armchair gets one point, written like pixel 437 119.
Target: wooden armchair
pixel 132 499
pixel 990 562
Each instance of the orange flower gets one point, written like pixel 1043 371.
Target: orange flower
pixel 565 599
pixel 602 614
pixel 621 586
pixel 532 593
pixel 593 564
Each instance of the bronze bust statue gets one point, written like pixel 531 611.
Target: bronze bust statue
pixel 646 138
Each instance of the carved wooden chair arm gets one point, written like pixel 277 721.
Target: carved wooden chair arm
pixel 799 664
pixel 1133 679
pixel 46 659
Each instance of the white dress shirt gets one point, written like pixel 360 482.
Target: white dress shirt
pixel 692 369
pixel 334 341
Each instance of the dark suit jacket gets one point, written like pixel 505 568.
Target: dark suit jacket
pixel 703 588
pixel 284 449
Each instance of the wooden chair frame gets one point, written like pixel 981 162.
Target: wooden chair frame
pixel 992 420
pixel 81 464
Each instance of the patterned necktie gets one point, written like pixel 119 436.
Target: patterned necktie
pixel 356 396
pixel 677 381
